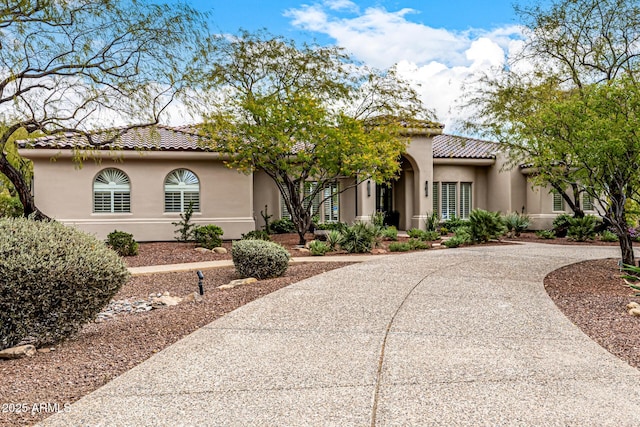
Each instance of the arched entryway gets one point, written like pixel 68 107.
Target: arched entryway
pixel 396 198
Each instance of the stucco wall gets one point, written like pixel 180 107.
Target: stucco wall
pixel 66 193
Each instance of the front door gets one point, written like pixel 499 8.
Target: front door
pixel 384 204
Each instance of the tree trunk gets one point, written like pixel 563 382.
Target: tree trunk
pixel 626 248
pixel 22 188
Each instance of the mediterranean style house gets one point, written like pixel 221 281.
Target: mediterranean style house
pixel 141 183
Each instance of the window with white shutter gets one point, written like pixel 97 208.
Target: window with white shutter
pixel 558 202
pixel 449 200
pixel 465 200
pixel 181 188
pixel 111 192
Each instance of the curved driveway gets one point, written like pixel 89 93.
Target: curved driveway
pixel 449 337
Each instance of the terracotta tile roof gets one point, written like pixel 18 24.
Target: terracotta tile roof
pixel 458 147
pixel 158 137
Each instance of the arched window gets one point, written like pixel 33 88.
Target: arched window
pixel 180 189
pixel 111 192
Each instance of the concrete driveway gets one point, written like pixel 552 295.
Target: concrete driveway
pixel 443 337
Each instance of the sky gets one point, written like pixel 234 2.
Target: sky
pixel 435 44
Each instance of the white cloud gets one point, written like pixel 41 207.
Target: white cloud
pixel 436 59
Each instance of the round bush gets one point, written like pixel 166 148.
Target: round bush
pixel 259 258
pixel 208 236
pixel 123 243
pixel 53 279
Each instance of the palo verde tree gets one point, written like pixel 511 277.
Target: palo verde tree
pixel 73 65
pixel 303 114
pixel 566 105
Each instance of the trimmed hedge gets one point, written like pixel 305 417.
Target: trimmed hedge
pixel 123 243
pixel 259 258
pixel 208 236
pixel 53 279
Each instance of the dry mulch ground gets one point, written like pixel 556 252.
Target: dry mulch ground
pixel 589 293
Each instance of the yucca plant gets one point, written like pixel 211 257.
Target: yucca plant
pixel 632 276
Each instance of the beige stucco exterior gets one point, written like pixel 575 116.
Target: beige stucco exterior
pixel 233 200
pixel 65 192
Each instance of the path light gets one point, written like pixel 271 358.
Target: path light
pixel 200 279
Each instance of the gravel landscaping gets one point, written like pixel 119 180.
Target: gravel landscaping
pixel 590 294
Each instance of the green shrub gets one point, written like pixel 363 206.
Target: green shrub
pixel 390 233
pixel 339 226
pixel 334 237
pixel 10 206
pixel 399 247
pixel 53 279
pixel 359 238
pixel 282 226
pixel 431 236
pixel 377 219
pixel 453 223
pixel 454 242
pixel 259 258
pixel 561 225
pixel 123 243
pixel 608 236
pixel 485 225
pixel 516 223
pixel 432 221
pixel 318 248
pixel 256 235
pixel 582 229
pixel 546 234
pixel 418 244
pixel 184 227
pixel 208 236
pixel 427 236
pixel 416 233
pixel 443 231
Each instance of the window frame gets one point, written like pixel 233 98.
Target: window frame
pixel 117 195
pixel 466 206
pixel 557 198
pixel 449 202
pixel 184 188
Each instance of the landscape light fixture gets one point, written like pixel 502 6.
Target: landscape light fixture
pixel 200 279
pixel 368 188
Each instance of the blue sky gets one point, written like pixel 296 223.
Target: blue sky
pixel 438 45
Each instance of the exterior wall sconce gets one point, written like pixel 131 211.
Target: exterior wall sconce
pixel 426 189
pixel 368 188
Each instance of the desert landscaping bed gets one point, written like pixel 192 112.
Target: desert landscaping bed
pixel 590 294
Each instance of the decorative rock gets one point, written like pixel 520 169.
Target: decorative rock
pixel 219 250
pixel 18 352
pixel 378 251
pixel 303 250
pixel 238 282
pixel 165 300
pixel 193 297
pixel 202 250
pixel 632 304
pixel 635 312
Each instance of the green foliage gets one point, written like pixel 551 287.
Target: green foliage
pixel 453 223
pixel 561 224
pixel 282 226
pixel 390 233
pixel 259 258
pixel 399 247
pixel 304 96
pixel 10 206
pixel 455 241
pixel 516 223
pixel 432 222
pixel 334 237
pixel 632 277
pixel 185 227
pixel 485 225
pixel 208 236
pixel 256 235
pixel 53 279
pixel 267 219
pixel 377 219
pixel 319 248
pixel 123 243
pixel 546 234
pixel 427 236
pixel 338 226
pixel 582 229
pixel 608 236
pixel 359 238
pixel 418 244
